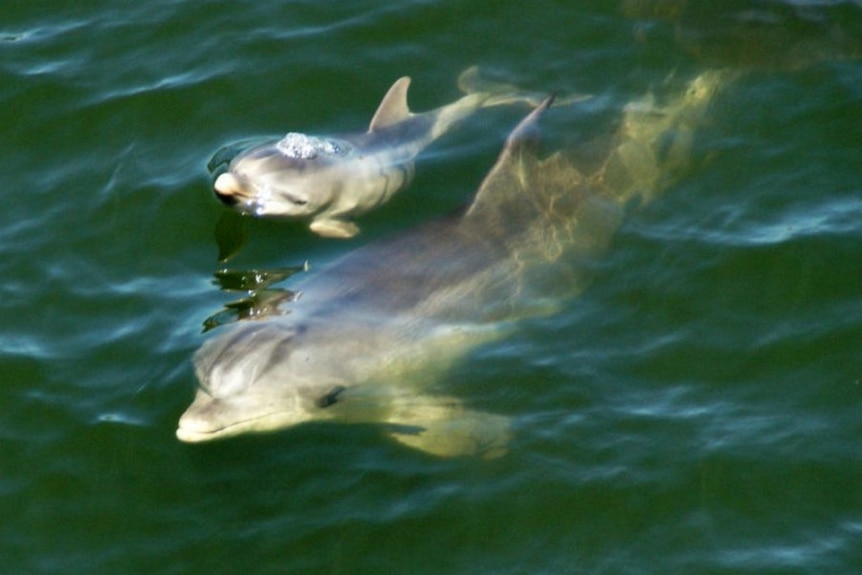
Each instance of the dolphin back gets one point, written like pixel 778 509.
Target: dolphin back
pixel 542 210
pixel 554 215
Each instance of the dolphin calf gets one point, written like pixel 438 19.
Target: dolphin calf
pixel 329 180
pixel 365 339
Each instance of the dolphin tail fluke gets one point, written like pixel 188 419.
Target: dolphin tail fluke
pixel 443 427
pixel 495 93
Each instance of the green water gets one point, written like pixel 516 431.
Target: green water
pixel 697 410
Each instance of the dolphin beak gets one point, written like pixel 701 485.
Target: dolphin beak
pixel 227 188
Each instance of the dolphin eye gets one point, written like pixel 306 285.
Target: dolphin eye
pixel 295 200
pixel 331 396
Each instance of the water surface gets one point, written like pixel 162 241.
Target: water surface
pixel 696 410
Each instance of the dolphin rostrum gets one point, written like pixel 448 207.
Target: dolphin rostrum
pixel 329 180
pixel 364 340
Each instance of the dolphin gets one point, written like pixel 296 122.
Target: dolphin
pixel 368 335
pixel 756 35
pixel 329 180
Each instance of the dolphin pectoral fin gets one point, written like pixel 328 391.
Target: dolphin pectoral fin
pixel 334 228
pixel 444 428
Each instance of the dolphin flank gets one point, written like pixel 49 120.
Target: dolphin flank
pixel 329 180
pixel 369 333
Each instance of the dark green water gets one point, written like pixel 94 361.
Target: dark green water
pixel 697 410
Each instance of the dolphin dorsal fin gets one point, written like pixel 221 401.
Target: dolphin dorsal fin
pixel 393 108
pixel 507 180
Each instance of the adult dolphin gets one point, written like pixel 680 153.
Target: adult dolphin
pixel 369 332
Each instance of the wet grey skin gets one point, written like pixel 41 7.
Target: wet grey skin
pixel 371 335
pixel 330 180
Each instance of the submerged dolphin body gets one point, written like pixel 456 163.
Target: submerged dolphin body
pixel 331 180
pixel 367 335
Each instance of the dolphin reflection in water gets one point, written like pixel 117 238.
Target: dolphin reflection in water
pixel 364 340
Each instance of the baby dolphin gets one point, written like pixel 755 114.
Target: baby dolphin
pixel 329 180
pixel 372 332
